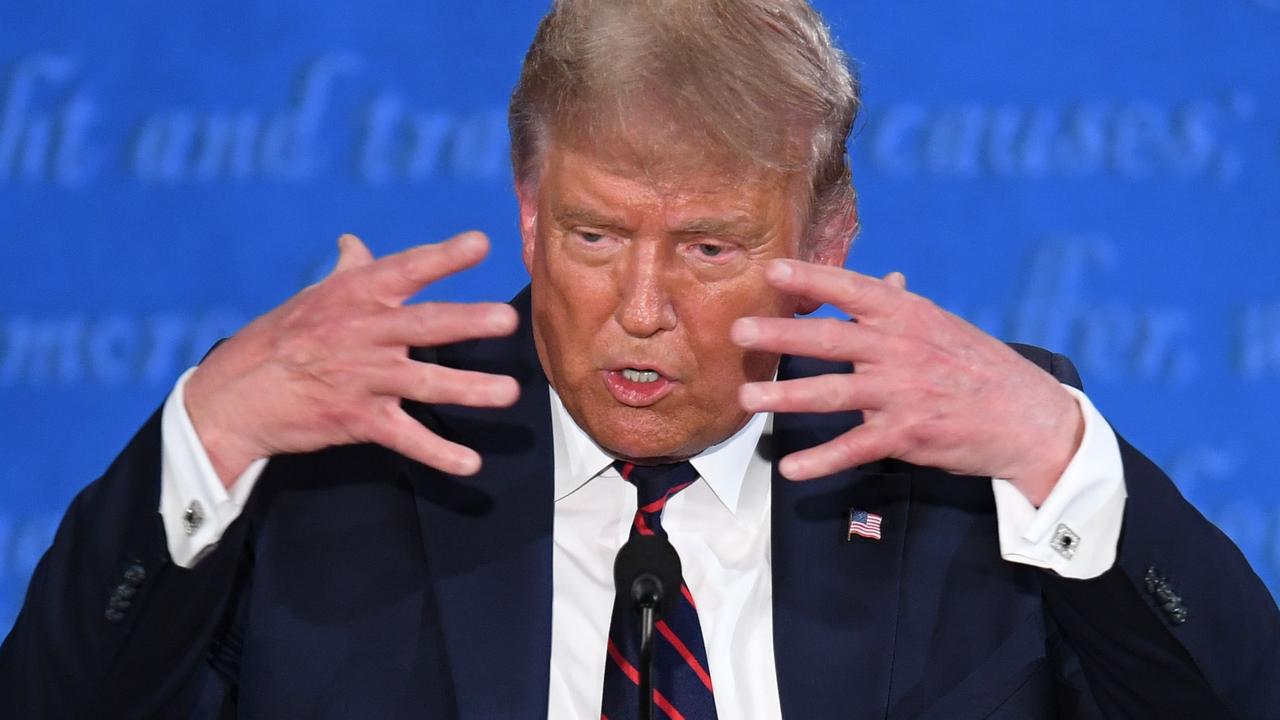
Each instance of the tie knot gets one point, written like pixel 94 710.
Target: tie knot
pixel 655 484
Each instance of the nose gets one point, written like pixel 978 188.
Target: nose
pixel 645 306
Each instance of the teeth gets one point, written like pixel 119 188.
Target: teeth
pixel 641 376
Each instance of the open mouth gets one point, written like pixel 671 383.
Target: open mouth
pixel 641 376
pixel 637 387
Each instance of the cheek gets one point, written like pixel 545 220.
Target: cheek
pixel 577 302
pixel 708 318
pixel 724 366
pixel 721 303
pixel 571 277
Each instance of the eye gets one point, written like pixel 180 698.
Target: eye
pixel 592 239
pixel 712 252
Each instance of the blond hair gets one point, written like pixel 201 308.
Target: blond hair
pixel 758 81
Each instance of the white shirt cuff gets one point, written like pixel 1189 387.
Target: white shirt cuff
pixel 194 505
pixel 1076 532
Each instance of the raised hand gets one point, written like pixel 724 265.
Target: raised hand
pixel 934 390
pixel 330 366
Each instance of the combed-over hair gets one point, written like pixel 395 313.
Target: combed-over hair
pixel 758 81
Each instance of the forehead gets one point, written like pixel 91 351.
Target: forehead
pixel 678 180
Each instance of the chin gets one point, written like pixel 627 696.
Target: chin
pixel 635 434
pixel 645 435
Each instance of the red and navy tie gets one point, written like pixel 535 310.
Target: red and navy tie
pixel 681 676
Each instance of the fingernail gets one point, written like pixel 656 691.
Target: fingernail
pixel 501 321
pixel 778 270
pixel 745 331
pixel 497 394
pixel 751 397
pixel 790 467
pixel 468 465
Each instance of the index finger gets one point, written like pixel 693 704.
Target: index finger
pixel 400 276
pixel 855 293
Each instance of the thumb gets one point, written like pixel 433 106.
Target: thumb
pixel 897 280
pixel 351 253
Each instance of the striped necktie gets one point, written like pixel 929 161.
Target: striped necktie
pixel 681 676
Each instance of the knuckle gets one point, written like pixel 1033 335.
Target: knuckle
pixel 421 321
pixel 295 349
pixel 333 290
pixel 486 393
pixel 357 424
pixel 920 432
pixel 896 442
pixel 921 308
pixel 849 451
pixel 852 291
pixel 382 423
pixel 332 284
pixel 899 346
pixel 324 337
pixel 834 394
pixel 466 390
pixel 830 335
pixel 407 273
pixel 351 324
pixel 297 313
pixel 943 379
pixel 490 391
pixel 425 381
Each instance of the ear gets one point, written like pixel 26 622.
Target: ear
pixel 527 195
pixel 828 244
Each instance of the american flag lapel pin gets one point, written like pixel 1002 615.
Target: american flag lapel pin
pixel 863 523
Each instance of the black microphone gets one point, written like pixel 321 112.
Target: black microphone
pixel 647 577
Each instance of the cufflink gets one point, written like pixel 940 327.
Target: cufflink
pixel 1065 541
pixel 192 517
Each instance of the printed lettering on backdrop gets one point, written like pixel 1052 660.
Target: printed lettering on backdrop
pixel 1097 178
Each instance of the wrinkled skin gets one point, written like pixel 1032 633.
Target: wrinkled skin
pixel 695 271
pixel 633 270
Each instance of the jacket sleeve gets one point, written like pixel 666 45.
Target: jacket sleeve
pixel 1180 626
pixel 110 627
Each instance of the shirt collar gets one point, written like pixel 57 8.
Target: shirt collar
pixel 578 459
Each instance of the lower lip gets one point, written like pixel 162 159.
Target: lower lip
pixel 636 394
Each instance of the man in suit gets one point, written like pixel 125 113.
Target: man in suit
pixel 898 517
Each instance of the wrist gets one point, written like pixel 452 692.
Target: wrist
pixel 228 453
pixel 1049 454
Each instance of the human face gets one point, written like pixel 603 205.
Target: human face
pixel 637 278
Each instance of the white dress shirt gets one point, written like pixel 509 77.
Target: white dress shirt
pixel 719 525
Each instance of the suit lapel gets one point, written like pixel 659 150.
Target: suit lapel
pixel 488 538
pixel 488 545
pixel 835 601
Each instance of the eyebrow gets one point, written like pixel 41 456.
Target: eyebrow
pixel 568 216
pixel 573 215
pixel 716 226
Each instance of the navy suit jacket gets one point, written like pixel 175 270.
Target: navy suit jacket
pixel 358 584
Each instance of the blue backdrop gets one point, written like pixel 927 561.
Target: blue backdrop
pixel 1099 177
